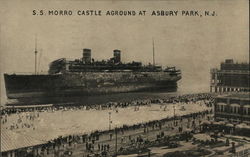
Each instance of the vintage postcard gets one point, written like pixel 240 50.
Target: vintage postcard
pixel 124 78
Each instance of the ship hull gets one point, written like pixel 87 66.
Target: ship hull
pixel 86 84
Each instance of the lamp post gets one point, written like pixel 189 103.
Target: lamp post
pixel 110 121
pixel 174 114
pixel 36 55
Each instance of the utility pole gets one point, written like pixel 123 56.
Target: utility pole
pixel 174 114
pixel 110 121
pixel 153 53
pixel 115 141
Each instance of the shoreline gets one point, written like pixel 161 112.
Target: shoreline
pixel 124 115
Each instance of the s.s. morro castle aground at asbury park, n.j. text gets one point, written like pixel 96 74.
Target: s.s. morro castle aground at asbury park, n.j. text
pixel 123 13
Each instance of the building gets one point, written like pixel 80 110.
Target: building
pixel 231 77
pixel 234 107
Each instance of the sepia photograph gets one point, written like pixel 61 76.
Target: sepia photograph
pixel 120 78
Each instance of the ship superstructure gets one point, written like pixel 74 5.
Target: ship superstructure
pixel 114 64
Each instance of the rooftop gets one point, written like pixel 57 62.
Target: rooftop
pixel 241 95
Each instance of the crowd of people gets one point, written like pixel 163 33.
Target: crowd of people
pixel 23 120
pixel 99 142
pixel 26 116
pixel 92 141
pixel 188 98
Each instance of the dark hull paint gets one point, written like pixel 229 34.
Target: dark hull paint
pixel 94 99
pixel 87 84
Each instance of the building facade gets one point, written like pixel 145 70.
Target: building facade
pixel 233 107
pixel 231 77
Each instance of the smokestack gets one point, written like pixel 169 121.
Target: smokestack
pixel 86 56
pixel 117 56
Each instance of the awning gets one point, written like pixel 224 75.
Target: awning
pixel 230 125
pixel 219 123
pixel 243 126
pixel 220 103
pixel 235 105
pixel 246 106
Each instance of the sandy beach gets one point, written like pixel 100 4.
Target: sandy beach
pixel 52 124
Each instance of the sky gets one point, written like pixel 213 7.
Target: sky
pixel 194 44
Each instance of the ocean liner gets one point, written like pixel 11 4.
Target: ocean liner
pixel 85 76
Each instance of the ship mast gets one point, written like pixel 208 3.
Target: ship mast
pixel 36 55
pixel 153 53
